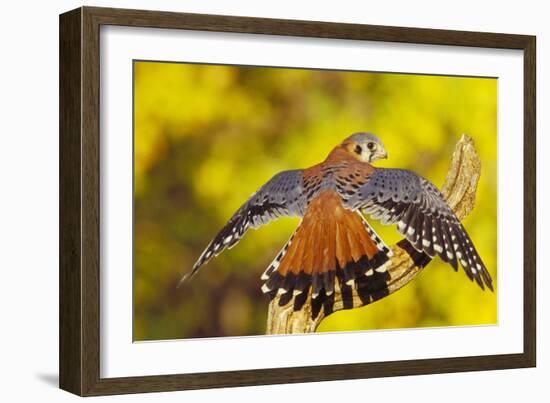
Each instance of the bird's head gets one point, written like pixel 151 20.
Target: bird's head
pixel 365 147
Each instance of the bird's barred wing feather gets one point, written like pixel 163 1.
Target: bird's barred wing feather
pixel 281 196
pixel 398 196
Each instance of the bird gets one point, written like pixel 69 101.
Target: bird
pixel 334 245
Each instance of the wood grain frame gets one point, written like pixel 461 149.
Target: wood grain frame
pixel 79 358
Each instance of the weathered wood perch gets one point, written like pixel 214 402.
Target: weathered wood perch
pixel 459 189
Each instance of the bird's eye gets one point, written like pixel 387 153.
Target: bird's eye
pixel 358 149
pixel 371 145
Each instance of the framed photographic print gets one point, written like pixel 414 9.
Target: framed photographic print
pixel 250 201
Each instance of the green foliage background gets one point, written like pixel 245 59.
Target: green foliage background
pixel 206 137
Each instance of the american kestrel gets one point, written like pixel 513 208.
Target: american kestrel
pixel 333 240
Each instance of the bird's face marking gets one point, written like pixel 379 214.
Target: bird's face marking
pixel 365 147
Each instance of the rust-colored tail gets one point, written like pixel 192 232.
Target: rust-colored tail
pixel 331 243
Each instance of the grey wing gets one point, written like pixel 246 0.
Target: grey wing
pixel 281 196
pixel 398 196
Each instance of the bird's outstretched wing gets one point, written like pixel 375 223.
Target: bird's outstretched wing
pixel 398 196
pixel 281 196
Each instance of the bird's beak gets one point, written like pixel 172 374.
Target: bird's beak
pixel 384 155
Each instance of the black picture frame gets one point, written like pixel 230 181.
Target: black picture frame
pixel 80 197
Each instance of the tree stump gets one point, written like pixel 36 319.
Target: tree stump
pixel 459 189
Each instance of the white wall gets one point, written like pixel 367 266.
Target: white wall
pixel 29 198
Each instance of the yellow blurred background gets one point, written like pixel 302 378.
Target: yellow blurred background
pixel 206 137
